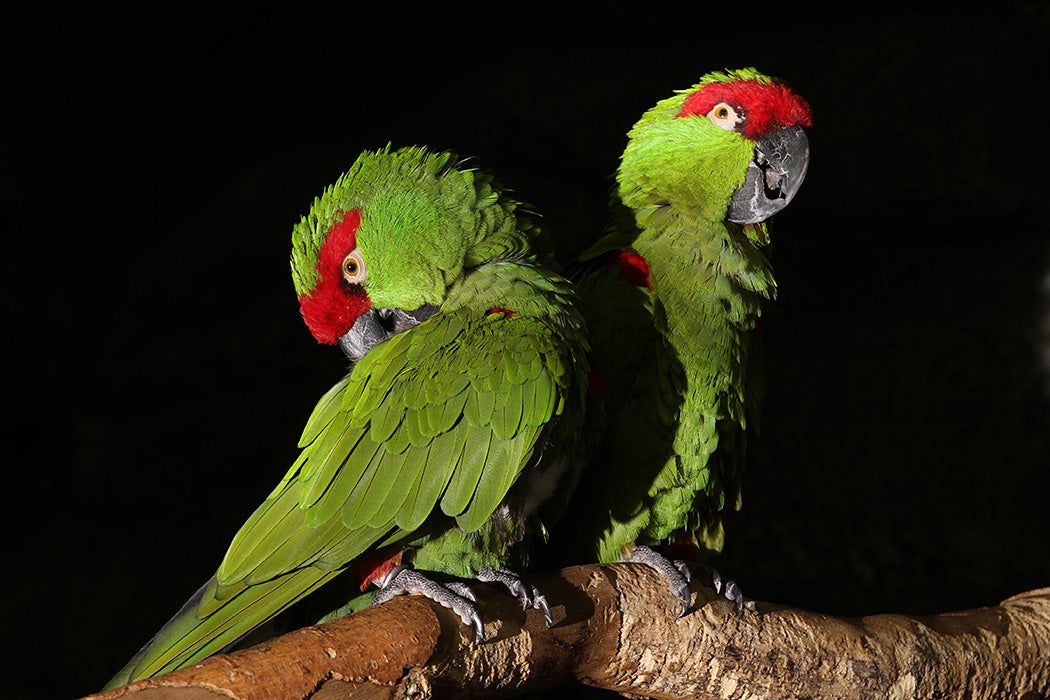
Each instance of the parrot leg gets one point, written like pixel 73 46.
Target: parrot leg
pixel 676 572
pixel 401 581
pixel 527 594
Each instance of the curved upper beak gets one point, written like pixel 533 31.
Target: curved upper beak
pixel 377 325
pixel 773 176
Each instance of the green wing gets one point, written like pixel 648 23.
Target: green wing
pixel 446 415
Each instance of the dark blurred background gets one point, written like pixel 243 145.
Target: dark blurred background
pixel 157 373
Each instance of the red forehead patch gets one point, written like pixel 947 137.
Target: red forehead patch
pixel 768 106
pixel 332 307
pixel 341 239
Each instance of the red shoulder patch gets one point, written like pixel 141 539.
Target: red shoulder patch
pixel 682 547
pixel 632 267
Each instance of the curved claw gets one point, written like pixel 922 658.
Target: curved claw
pixel 401 581
pixel 527 594
pixel 462 589
pixel 728 589
pixel 676 572
pixel 539 601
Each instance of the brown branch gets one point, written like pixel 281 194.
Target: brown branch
pixel 615 628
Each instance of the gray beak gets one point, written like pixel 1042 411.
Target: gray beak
pixel 377 325
pixel 773 176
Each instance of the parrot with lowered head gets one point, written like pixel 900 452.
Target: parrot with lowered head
pixel 438 448
pixel 672 295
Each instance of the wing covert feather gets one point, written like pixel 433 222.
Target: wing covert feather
pixel 444 414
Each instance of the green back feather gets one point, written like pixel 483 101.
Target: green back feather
pixel 434 430
pixel 679 393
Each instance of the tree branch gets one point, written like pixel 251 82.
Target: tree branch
pixel 615 628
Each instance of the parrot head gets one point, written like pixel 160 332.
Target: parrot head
pixel 733 146
pixel 379 249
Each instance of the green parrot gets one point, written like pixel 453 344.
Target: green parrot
pixel 437 450
pixel 672 296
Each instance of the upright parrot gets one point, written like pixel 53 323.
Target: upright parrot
pixel 436 450
pixel 672 294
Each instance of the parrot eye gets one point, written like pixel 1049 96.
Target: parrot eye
pixel 353 267
pixel 726 116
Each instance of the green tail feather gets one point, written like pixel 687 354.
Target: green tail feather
pixel 187 638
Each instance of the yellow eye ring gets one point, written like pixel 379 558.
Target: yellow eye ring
pixel 725 116
pixel 353 267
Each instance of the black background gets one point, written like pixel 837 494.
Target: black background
pixel 157 373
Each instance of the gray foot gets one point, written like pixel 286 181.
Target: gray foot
pixel 727 588
pixel 676 572
pixel 462 589
pixel 527 594
pixel 455 597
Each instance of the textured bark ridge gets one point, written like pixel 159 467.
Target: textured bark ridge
pixel 615 628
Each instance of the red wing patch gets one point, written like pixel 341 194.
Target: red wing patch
pixel 633 268
pixel 373 569
pixel 682 548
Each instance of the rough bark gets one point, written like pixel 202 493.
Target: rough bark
pixel 615 628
